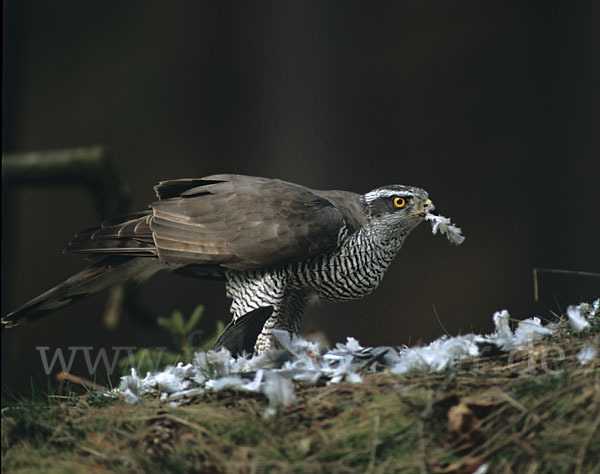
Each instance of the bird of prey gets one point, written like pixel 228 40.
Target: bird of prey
pixel 274 243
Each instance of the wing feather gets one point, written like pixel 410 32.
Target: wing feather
pixel 232 221
pixel 127 235
pixel 243 222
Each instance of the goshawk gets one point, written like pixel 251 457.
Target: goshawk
pixel 274 243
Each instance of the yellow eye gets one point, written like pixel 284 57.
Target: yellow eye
pixel 399 202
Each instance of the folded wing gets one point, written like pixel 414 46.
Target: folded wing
pixel 234 221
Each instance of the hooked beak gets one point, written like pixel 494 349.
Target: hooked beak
pixel 428 208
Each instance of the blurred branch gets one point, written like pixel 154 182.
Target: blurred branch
pixel 558 271
pixel 88 167
pixel 63 377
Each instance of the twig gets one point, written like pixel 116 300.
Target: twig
pixel 88 384
pixel 374 444
pixel 531 411
pixel 89 450
pixel 592 341
pixel 89 167
pixel 422 446
pixel 505 442
pixel 558 272
pixel 440 321
pixel 184 422
pixel 584 446
pixel 114 305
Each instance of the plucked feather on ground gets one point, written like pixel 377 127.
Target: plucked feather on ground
pixel 302 361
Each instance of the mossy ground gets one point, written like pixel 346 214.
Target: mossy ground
pixel 536 410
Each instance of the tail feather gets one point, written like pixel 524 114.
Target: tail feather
pixel 102 274
pixel 240 336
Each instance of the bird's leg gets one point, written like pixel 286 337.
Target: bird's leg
pixel 287 316
pixel 255 289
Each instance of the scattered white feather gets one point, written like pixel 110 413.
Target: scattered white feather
pixel 354 377
pixel 587 353
pixel 131 387
pixel 446 227
pixel 273 373
pixel 278 390
pixel 342 368
pixel 437 356
pixel 527 331
pixel 229 381
pixel 530 330
pixel 503 336
pixel 255 385
pixel 351 345
pixel 170 383
pixel 483 469
pixel 173 379
pixel 577 319
pixel 213 364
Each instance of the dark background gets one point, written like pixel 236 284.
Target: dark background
pixel 493 107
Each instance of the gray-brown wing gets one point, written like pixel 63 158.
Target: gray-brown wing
pixel 350 205
pixel 128 235
pixel 243 222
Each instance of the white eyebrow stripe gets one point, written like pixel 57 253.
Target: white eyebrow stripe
pixel 383 193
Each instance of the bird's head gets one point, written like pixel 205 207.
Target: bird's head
pixel 398 208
